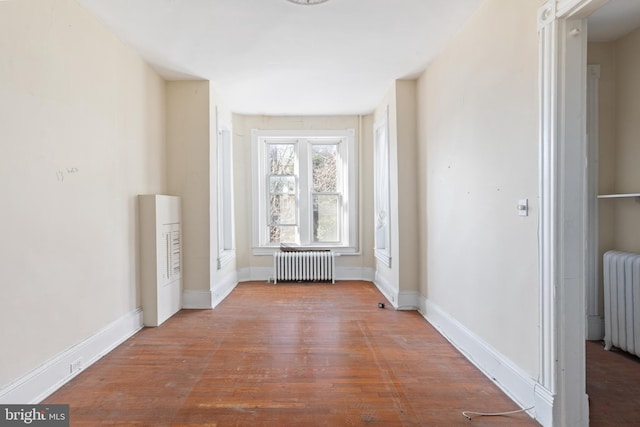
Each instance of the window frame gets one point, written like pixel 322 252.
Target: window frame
pixel 382 186
pixel 226 236
pixel 304 139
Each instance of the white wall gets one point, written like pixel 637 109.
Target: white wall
pixel 478 153
pixel 251 267
pixel 81 135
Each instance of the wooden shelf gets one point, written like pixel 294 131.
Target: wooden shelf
pixel 618 196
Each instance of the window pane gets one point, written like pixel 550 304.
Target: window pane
pixel 325 218
pixel 283 234
pixel 282 158
pixel 282 184
pixel 282 209
pixel 325 173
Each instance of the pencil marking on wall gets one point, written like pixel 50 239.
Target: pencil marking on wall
pixel 62 173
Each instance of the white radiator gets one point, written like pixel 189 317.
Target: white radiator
pixel 622 301
pixel 304 266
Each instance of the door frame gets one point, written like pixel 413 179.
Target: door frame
pixel 563 229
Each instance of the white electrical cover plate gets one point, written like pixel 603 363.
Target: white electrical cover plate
pixel 523 207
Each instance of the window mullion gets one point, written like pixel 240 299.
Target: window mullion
pixel 304 193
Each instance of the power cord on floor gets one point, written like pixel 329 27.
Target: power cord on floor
pixel 467 414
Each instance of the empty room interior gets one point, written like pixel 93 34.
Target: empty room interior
pixel 469 162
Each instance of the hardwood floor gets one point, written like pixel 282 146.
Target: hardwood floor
pixel 613 386
pixel 287 354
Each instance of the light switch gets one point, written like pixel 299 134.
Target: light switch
pixel 523 207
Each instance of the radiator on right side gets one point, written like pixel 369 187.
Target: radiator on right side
pixel 621 271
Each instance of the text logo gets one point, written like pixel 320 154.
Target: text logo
pixel 34 415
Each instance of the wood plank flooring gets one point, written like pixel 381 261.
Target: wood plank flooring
pixel 287 355
pixel 613 386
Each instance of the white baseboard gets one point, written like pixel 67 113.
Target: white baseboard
pixel 196 300
pixel 255 274
pixel 206 300
pixel 354 273
pixel 595 328
pixel 401 300
pixel 515 383
pixel 223 288
pixel 543 411
pixel 384 286
pixel 408 300
pixel 35 386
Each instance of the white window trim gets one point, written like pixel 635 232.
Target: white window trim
pixel 226 238
pixel 350 223
pixel 382 210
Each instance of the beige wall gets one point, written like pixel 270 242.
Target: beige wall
pixel 603 54
pixel 244 209
pixel 627 177
pixel 81 135
pixel 408 226
pixel 192 116
pixel 478 152
pixel 188 140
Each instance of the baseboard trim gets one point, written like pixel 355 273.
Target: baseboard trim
pixel 36 385
pixel 354 273
pixel 197 300
pixel 206 300
pixel 255 274
pixel 408 300
pixel 595 328
pixel 543 411
pixel 384 286
pixel 223 288
pixel 516 384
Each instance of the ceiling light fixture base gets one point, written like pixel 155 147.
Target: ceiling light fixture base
pixel 307 2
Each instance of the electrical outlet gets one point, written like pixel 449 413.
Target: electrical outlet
pixel 75 366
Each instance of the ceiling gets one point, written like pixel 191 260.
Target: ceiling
pixel 274 57
pixel 277 58
pixel 614 20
